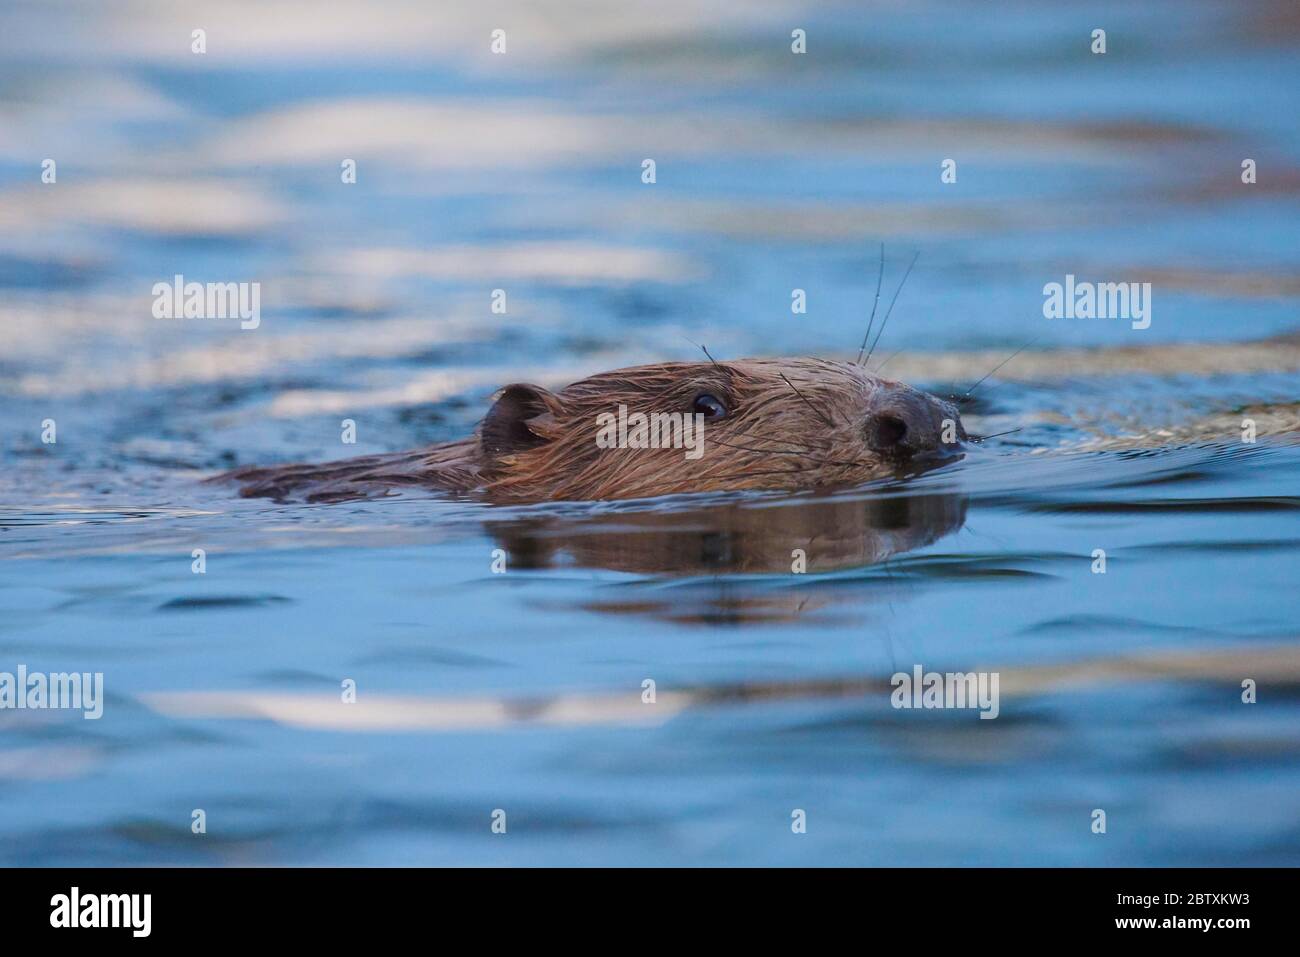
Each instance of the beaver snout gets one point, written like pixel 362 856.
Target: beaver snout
pixel 907 423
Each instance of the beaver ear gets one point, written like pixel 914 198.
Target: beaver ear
pixel 523 417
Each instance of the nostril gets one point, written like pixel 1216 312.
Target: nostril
pixel 886 432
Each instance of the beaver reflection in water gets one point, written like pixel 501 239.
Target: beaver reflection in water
pixel 778 424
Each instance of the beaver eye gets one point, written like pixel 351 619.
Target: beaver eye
pixel 709 407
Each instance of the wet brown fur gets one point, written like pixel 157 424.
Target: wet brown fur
pixel 791 424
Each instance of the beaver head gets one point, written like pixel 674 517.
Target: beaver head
pixel 783 424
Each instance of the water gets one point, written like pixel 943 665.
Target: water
pixel 523 692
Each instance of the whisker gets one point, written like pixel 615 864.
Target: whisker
pixel 785 440
pixel 966 397
pixel 818 412
pixel 790 471
pixel 703 349
pixel 880 278
pixel 796 453
pixel 762 472
pixel 892 302
pixel 985 438
pixel 746 448
pixel 788 441
pixel 883 364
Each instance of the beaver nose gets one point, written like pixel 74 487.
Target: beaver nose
pixel 908 422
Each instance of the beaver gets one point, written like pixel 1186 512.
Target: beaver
pixel 767 424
